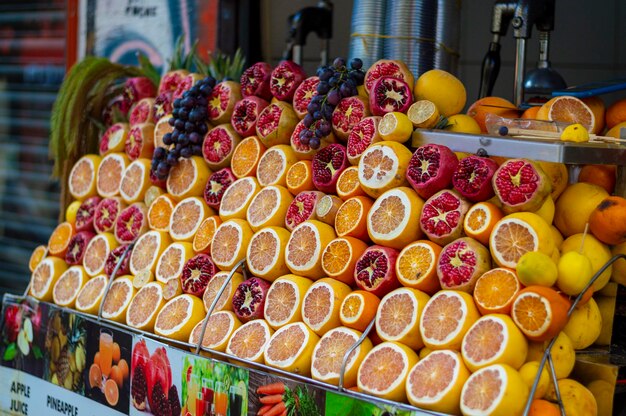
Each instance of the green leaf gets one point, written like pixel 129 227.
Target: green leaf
pixel 148 69
pixel 10 352
pixel 37 352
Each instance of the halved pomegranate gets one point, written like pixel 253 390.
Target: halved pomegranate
pixel 348 113
pixel 77 246
pixel 138 88
pixel 255 81
pixel 197 273
pixel 461 263
pixel 276 123
pixel 303 95
pixel 222 100
pixel 106 214
pixel 390 94
pixel 114 257
pixel 327 165
pixel 472 177
pixel 218 146
pixel 431 169
pixel 114 138
pixel 302 208
pixel 375 270
pixel 362 135
pixel 170 81
pixel 442 216
pixel 246 114
pixel 86 213
pixel 216 186
pixel 131 223
pixel 142 112
pixel 521 185
pixel 187 82
pixel 140 141
pixel 162 105
pixel 249 299
pixel 387 68
pixel 286 78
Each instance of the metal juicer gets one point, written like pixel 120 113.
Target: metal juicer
pixel 522 15
pixel 317 19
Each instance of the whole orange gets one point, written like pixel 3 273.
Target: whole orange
pixel 616 113
pixel 608 220
pixel 491 105
pixel 601 175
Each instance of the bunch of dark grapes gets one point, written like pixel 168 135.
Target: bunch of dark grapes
pixel 189 119
pixel 337 81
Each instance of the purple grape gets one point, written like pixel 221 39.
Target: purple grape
pixel 315 143
pixel 333 98
pixel 167 139
pixel 356 63
pixel 186 152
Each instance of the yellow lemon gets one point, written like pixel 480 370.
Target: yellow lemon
pixel 596 251
pixel 575 271
pixel 536 268
pixel 71 211
pixel 529 372
pixel 577 399
pixel 575 133
pixel 395 126
pixel 584 325
pixel 462 123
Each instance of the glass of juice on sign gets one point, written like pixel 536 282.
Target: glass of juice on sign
pixel 192 394
pixel 200 405
pixel 106 351
pixel 220 399
pixel 207 396
pixel 235 401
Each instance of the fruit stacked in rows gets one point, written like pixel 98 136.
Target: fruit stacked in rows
pixel 453 255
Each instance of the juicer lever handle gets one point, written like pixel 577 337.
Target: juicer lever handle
pixel 490 70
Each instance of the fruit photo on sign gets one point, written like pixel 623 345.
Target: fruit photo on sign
pixel 275 396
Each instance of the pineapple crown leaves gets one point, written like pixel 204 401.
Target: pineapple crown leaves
pixel 149 71
pixel 80 100
pixel 182 60
pixel 222 66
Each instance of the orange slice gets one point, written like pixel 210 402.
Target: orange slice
pixel 160 212
pixel 45 276
pixel 329 354
pixel 358 309
pixel 274 164
pixel 283 303
pixel 348 184
pixel 204 236
pixel 393 220
pixel 384 370
pixel 300 177
pixel 172 261
pixel 494 339
pixel 246 157
pixel 265 256
pixel 570 110
pixel 416 266
pixel 383 166
pixel 97 252
pixel 117 299
pixel 38 254
pixel 230 243
pixel 249 340
pixel 187 217
pixel 81 181
pixel 291 349
pixel 147 251
pixel 110 174
pixel 340 256
pixel 398 316
pixel 135 181
pixel 68 285
pixel 90 296
pixel 321 304
pixel 219 329
pixel 480 220
pixel 540 312
pixel 179 316
pixel 447 317
pixel 495 291
pixel 215 284
pixel 60 239
pixel 435 383
pixel 495 390
pixel 303 254
pixel 188 178
pixel 237 198
pixel 351 218
pixel 269 207
pixel 145 306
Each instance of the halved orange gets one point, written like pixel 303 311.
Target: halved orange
pixel 351 218
pixel 329 354
pixel 204 236
pixel 147 251
pixel 348 184
pixel 90 296
pixel 160 212
pixel 291 349
pixel 283 303
pixel 246 157
pixel 172 261
pixel 447 317
pixel 219 328
pixel 225 301
pixel 38 254
pixel 187 217
pixel 237 198
pixel 249 341
pixel 110 174
pixel 179 316
pixel 135 181
pixel 384 370
pixel 97 252
pixel 321 304
pixel 45 276
pixel 300 177
pixel 265 256
pixel 358 309
pixel 60 239
pixel 303 254
pixel 230 243
pixel 416 266
pixel 398 316
pixel 495 291
pixel 340 256
pixel 188 178
pixel 68 285
pixel 269 207
pixel 540 312
pixel 117 299
pixel 569 110
pixel 81 181
pixel 480 220
pixel 274 164
pixel 144 307
pixel 383 166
